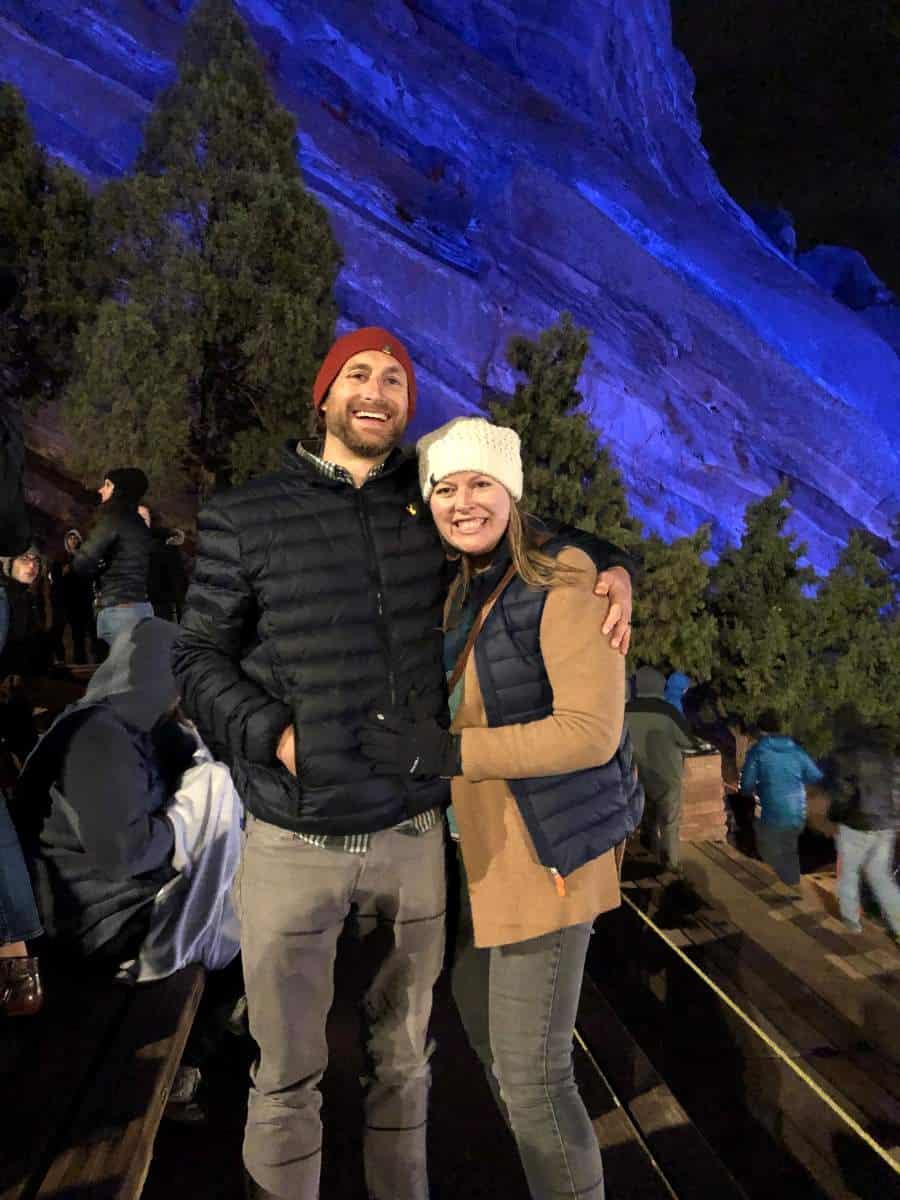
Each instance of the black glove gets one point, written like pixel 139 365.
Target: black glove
pixel 405 745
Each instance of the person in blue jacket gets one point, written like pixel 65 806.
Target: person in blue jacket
pixel 777 770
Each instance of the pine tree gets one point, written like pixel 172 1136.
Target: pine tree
pixel 220 273
pixel 855 645
pixel 673 627
pixel 571 478
pixel 763 617
pixel 45 252
pixel 568 476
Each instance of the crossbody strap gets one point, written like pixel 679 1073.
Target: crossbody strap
pixel 456 673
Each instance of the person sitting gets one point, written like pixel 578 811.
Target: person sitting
pixel 540 797
pixel 133 832
pixel 116 554
pixel 777 770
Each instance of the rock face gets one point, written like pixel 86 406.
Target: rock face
pixel 489 163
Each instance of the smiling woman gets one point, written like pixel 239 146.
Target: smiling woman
pixel 542 791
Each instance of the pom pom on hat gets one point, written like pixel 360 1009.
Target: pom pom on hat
pixel 470 444
pixel 371 337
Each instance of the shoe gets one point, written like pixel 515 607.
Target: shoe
pixel 851 926
pixel 183 1105
pixel 21 993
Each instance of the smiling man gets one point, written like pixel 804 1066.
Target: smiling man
pixel 317 597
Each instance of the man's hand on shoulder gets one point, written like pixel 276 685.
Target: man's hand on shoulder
pixel 616 584
pixel 285 752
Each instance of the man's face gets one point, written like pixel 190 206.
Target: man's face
pixel 25 569
pixel 144 514
pixel 105 490
pixel 72 542
pixel 366 407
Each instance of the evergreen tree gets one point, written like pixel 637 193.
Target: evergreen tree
pixel 757 598
pixel 673 627
pixel 220 269
pixel 855 645
pixel 571 478
pixel 45 251
pixel 568 476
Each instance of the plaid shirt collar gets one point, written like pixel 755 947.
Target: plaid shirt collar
pixel 334 471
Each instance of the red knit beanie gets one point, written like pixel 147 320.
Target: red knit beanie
pixel 370 338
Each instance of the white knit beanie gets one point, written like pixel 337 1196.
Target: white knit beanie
pixel 470 444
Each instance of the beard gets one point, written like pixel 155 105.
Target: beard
pixel 379 441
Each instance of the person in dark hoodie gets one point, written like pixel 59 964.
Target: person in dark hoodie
pixel 863 779
pixel 661 735
pixel 132 830
pixel 116 554
pixel 777 769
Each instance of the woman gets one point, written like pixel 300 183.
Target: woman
pixel 537 696
pixel 116 554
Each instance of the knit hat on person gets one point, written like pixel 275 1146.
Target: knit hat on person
pixel 470 444
pixel 131 483
pixel 650 682
pixel 371 337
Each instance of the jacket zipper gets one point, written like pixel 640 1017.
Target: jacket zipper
pixel 375 571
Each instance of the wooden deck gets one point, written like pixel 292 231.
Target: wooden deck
pixel 812 1034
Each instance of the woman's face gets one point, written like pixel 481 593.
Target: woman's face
pixel 471 511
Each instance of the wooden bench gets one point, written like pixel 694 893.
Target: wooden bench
pixel 84 1084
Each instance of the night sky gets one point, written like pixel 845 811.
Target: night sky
pixel 799 102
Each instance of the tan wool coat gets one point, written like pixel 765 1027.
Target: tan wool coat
pixel 513 896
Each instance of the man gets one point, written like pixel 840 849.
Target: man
pixel 167 582
pixel 116 554
pixel 661 736
pixel 73 604
pixel 26 646
pixel 317 596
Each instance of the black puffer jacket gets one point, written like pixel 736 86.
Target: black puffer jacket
pixel 313 601
pixel 117 555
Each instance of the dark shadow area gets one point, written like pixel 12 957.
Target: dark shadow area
pixel 724 1079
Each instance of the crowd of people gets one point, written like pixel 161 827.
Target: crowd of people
pixel 379 651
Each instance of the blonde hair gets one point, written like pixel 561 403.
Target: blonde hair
pixel 534 568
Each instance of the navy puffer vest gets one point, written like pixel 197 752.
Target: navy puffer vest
pixel 571 818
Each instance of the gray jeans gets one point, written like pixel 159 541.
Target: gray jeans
pixel 293 899
pixel 518 1006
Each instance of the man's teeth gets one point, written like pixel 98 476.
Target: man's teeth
pixel 374 415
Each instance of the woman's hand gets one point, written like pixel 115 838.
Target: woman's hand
pixel 616 583
pixel 399 744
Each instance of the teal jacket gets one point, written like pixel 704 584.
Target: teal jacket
pixel 777 770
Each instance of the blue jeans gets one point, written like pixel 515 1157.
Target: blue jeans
pixel 870 853
pixel 111 621
pixel 19 921
pixel 518 1006
pixel 777 846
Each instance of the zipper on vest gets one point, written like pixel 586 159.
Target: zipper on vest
pixel 558 881
pixel 381 616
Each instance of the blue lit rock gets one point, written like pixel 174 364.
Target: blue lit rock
pixel 489 164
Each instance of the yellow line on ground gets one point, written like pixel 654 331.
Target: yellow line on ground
pixel 761 1033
